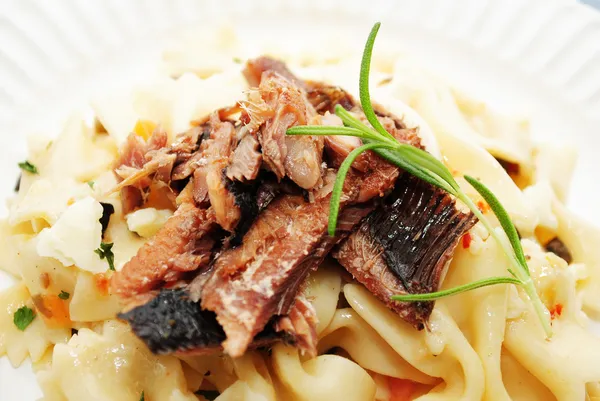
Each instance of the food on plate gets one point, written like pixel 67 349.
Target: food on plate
pixel 291 240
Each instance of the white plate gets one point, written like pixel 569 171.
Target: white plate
pixel 539 56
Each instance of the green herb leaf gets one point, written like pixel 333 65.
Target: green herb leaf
pixel 142 397
pixel 503 218
pixel 27 166
pixel 23 317
pixel 429 169
pixel 91 184
pixel 432 296
pixel 336 195
pixel 64 295
pixel 351 121
pixel 363 85
pixel 414 169
pixel 105 251
pixel 324 130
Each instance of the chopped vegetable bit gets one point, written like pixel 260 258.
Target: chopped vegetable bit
pixel 105 251
pixel 101 282
pixel 27 166
pixel 23 317
pixel 64 295
pixel 556 311
pixel 483 206
pixel 466 240
pixel 237 60
pixel 142 397
pixel 144 128
pixel 53 309
pixel 91 184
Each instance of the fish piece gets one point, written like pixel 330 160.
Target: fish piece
pixel 339 147
pixel 297 157
pixel 187 163
pixel 140 164
pixel 208 177
pixel 182 245
pixel 134 165
pixel 131 199
pixel 281 92
pixel 325 97
pixel 247 160
pixel 172 322
pixel 261 277
pixel 303 160
pixel 404 246
pixel 254 69
pixel 302 322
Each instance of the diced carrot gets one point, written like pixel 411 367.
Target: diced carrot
pixel 144 128
pixel 556 311
pixel 466 240
pixel 401 389
pixel 53 309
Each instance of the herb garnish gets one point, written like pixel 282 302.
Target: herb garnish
pixel 23 317
pixel 142 397
pixel 91 184
pixel 105 251
pixel 64 295
pixel 426 167
pixel 27 166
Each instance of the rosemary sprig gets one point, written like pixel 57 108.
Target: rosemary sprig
pixel 426 167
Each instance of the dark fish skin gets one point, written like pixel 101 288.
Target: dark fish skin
pixel 107 211
pixel 245 199
pixel 557 247
pixel 404 246
pixel 173 323
pixel 18 184
pixel 253 197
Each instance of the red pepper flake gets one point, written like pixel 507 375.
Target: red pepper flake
pixel 466 240
pixel 556 311
pixel 101 283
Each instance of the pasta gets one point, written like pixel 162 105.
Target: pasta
pixel 480 345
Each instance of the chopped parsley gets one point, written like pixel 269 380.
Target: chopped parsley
pixel 27 166
pixel 64 295
pixel 208 394
pixel 23 317
pixel 105 251
pixel 142 397
pixel 237 60
pixel 91 184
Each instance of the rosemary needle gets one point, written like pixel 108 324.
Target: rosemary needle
pixel 426 167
